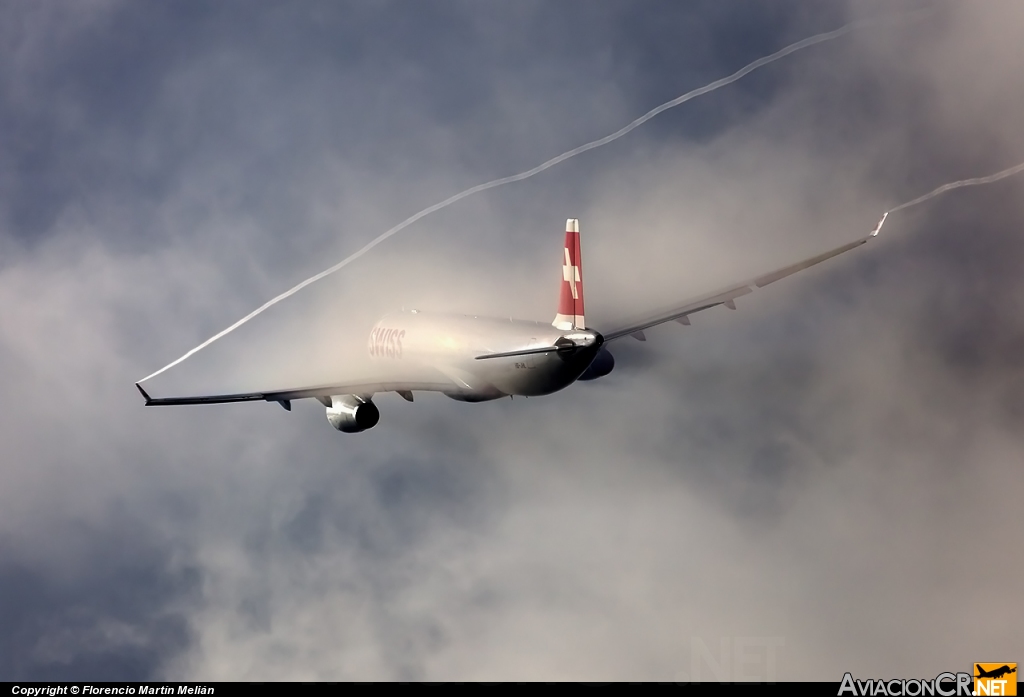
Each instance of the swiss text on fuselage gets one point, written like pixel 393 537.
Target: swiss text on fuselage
pixel 386 343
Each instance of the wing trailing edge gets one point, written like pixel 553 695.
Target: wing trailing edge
pixel 285 397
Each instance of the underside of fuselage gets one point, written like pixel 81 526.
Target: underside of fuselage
pixel 462 348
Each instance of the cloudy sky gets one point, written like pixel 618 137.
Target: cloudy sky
pixel 826 480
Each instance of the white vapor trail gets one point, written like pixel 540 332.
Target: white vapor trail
pixel 759 63
pixel 1016 169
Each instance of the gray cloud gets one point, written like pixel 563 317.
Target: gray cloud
pixel 830 467
pixel 116 616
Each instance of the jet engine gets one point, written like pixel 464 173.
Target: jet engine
pixel 351 414
pixel 599 367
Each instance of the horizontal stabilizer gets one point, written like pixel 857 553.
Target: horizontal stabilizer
pixel 521 352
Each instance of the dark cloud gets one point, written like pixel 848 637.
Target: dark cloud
pixel 813 472
pixel 116 616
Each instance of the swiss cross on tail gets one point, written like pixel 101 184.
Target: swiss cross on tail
pixel 570 300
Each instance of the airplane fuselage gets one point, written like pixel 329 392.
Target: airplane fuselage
pixel 432 345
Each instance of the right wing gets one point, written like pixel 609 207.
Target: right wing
pixel 726 296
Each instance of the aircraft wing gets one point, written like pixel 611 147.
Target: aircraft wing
pixel 727 295
pixel 285 396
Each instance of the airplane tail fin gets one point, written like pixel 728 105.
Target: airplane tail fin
pixel 570 301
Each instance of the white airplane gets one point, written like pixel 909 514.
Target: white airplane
pixel 475 359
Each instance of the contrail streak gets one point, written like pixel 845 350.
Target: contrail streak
pixel 1016 169
pixel 759 63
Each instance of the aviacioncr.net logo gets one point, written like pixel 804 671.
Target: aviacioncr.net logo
pixel 943 685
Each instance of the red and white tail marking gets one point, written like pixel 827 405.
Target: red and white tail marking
pixel 570 301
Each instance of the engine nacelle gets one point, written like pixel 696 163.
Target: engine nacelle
pixel 351 414
pixel 602 364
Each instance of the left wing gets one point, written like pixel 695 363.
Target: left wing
pixel 681 313
pixel 285 397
